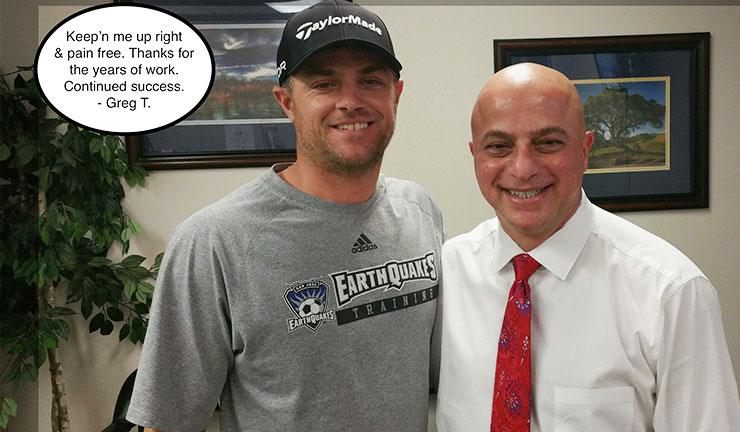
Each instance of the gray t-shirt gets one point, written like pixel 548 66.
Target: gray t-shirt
pixel 296 313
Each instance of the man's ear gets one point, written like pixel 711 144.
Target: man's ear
pixel 285 99
pixel 588 141
pixel 399 90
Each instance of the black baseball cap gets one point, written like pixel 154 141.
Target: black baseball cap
pixel 327 24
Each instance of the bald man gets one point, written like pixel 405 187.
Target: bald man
pixel 614 330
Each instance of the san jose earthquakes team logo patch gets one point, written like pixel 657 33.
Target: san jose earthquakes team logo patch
pixel 307 300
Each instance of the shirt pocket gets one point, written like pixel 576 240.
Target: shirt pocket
pixel 604 410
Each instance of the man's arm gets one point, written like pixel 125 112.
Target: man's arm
pixel 696 388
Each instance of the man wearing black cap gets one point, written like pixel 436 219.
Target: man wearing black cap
pixel 305 299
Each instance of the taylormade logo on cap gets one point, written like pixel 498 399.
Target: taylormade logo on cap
pixel 305 30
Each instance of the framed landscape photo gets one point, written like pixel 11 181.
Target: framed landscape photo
pixel 646 99
pixel 239 123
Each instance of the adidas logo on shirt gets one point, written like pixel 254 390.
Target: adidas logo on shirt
pixel 363 244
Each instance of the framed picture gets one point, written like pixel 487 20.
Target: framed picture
pixel 240 123
pixel 647 100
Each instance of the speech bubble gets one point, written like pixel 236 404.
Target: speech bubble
pixel 124 69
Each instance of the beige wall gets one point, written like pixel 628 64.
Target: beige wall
pixel 447 55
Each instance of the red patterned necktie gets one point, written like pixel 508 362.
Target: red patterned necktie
pixel 512 391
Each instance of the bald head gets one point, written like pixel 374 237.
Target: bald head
pixel 525 83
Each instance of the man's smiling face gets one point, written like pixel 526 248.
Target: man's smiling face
pixel 530 151
pixel 343 104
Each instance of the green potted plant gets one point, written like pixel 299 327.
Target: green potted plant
pixel 61 216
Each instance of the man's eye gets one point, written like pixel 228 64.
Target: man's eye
pixel 322 85
pixel 549 145
pixel 497 149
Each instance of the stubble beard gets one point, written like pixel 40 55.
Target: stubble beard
pixel 320 151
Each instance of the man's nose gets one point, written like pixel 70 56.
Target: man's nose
pixel 349 98
pixel 524 163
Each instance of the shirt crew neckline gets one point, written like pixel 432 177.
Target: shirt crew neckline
pixel 283 188
pixel 559 253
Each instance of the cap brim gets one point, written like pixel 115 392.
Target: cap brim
pixel 393 63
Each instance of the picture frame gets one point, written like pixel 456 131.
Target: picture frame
pixel 659 159
pixel 239 124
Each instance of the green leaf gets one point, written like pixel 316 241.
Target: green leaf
pixel 4 420
pixel 29 372
pixel 124 332
pixel 129 288
pixel 44 234
pixel 74 295
pixel 138 272
pixel 119 166
pixel 141 308
pixel 61 311
pixel 140 296
pixel 111 141
pixel 96 144
pixel 132 261
pixel 10 407
pixel 68 231
pixel 86 308
pixel 48 340
pixel 141 173
pixel 130 178
pixel 69 157
pixel 97 322
pixel 40 357
pixel 24 155
pixel 98 261
pixel 158 259
pixel 122 155
pixel 137 335
pixel 52 218
pixel 106 328
pixel 115 314
pixel 40 277
pixel 126 234
pixel 25 270
pixel 145 287
pixel 4 152
pixel 52 271
pixel 19 82
pixel 62 329
pixel 105 153
pixel 135 227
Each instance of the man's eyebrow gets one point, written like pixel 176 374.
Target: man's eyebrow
pixel 493 133
pixel 372 68
pixel 547 131
pixel 311 73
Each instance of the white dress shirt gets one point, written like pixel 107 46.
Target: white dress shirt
pixel 626 332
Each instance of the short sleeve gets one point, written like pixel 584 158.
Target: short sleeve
pixel 187 351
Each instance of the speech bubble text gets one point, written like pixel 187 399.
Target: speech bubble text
pixel 124 68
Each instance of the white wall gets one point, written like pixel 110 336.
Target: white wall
pixel 447 55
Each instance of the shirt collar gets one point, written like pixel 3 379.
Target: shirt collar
pixel 558 253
